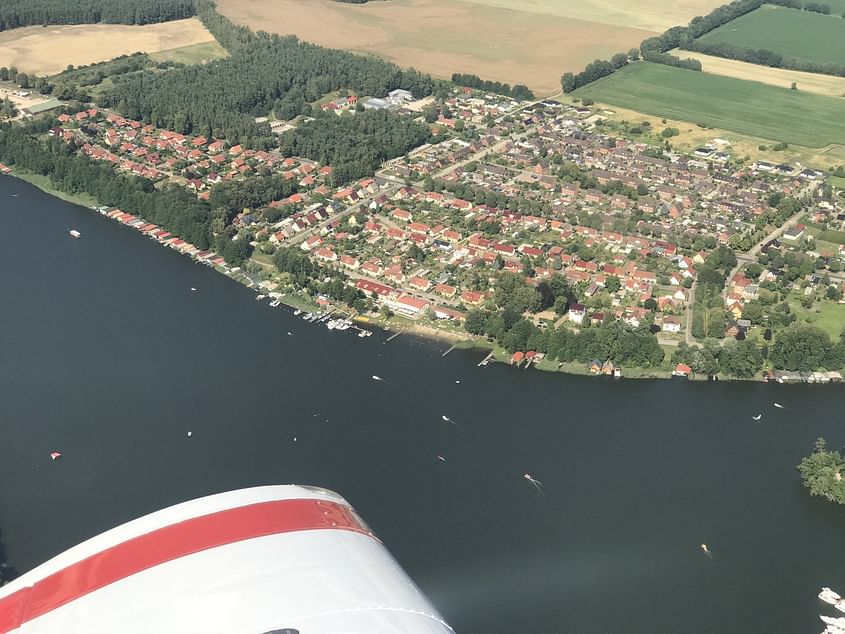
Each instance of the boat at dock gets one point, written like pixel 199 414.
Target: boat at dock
pixel 74 233
pixel 837 623
pixel 275 303
pixel 258 298
pixel 829 596
pixel 297 312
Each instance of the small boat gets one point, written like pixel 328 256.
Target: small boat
pixel 297 312
pixel 258 298
pixel 74 233
pixel 377 378
pixel 55 455
pixel 190 433
pixel 194 289
pixel 835 622
pixel 758 417
pixel 779 406
pixel 331 325
pixel 275 303
pixel 840 605
pixel 829 596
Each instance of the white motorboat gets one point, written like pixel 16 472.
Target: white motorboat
pixel 829 596
pixel 74 233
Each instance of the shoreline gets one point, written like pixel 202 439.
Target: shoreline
pixel 394 325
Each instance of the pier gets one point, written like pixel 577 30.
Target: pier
pixel 394 335
pixel 449 350
pixel 486 359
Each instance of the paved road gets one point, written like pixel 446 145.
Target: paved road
pixel 690 303
pixel 316 229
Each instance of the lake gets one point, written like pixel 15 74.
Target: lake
pixel 107 356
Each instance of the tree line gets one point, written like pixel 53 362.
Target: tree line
pixel 18 13
pixel 764 57
pixel 518 91
pixel 655 49
pixel 354 146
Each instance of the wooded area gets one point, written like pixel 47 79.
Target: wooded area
pixel 354 145
pixel 17 13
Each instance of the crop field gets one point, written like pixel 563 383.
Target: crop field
pixel 49 50
pixel 651 15
pixel 799 34
pixel 528 42
pixel 811 82
pixel 747 107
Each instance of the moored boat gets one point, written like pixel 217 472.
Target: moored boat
pixel 74 233
pixel 829 596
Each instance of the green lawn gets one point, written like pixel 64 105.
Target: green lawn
pixel 837 181
pixel 193 54
pixel 830 318
pixel 792 33
pixel 745 107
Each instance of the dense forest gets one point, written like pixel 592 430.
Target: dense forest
pixel 519 91
pixel 221 99
pixel 354 145
pixel 17 13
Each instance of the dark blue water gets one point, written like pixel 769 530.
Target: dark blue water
pixel 106 356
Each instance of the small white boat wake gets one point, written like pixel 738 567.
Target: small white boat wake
pixel 779 406
pixel 706 550
pixel 537 484
pixel 446 419
pixel 377 378
pixel 441 458
pixel 758 417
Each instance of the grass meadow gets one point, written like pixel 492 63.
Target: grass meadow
pixel 745 107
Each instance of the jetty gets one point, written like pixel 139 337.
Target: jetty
pixel 394 335
pixel 487 359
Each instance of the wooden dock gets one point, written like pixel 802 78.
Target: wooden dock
pixel 394 335
pixel 486 359
pixel 449 350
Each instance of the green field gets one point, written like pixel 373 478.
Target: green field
pixel 192 54
pixel 745 107
pixel 798 34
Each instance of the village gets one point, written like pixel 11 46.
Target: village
pixel 539 189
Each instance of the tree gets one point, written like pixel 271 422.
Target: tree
pixel 821 473
pixel 612 283
pixel 476 322
pixel 741 359
pixel 801 347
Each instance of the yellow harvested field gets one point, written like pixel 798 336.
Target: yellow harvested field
pixel 442 37
pixel 651 15
pixel 811 82
pixel 48 50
